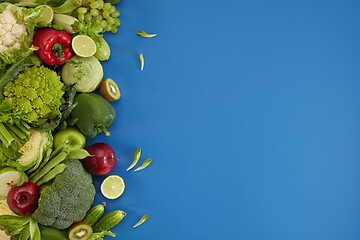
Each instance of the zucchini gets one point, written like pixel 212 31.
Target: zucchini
pixel 94 215
pixel 109 221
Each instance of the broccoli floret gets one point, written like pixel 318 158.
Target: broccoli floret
pixel 38 92
pixel 67 199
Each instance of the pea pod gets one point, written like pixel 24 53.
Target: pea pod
pixel 94 214
pixel 52 174
pixel 51 164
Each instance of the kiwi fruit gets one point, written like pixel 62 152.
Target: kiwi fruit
pixel 80 231
pixel 110 90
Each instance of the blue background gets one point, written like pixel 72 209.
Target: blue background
pixel 250 111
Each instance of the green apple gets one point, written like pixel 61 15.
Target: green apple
pixel 72 136
pixel 8 178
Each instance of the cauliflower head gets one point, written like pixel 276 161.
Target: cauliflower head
pixel 11 30
pixel 38 92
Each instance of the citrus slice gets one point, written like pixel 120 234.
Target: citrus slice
pixel 112 187
pixel 83 46
pixel 46 16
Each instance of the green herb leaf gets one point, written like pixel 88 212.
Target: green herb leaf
pixel 136 158
pixel 78 154
pixel 145 35
pixel 145 164
pixel 34 230
pixel 142 220
pixel 141 57
pixel 57 27
pixel 22 179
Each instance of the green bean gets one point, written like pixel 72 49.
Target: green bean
pixel 51 164
pixel 49 155
pixel 52 174
pixel 58 150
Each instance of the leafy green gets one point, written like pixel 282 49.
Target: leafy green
pixel 145 35
pixel 142 220
pixel 22 179
pixel 145 164
pixel 141 57
pixel 99 235
pixel 11 74
pixel 136 159
pixel 91 29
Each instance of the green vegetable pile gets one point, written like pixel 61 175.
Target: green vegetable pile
pixel 47 84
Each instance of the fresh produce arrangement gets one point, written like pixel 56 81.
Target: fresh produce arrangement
pixel 50 53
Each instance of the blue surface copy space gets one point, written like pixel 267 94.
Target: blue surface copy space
pixel 251 113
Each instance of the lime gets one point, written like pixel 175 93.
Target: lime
pixel 83 46
pixel 112 187
pixel 46 16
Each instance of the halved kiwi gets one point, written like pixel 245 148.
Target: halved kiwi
pixel 109 90
pixel 80 231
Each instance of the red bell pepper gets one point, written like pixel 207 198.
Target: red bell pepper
pixel 54 46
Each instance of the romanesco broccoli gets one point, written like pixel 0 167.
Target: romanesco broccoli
pixel 67 199
pixel 38 92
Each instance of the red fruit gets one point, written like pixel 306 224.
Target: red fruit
pixel 102 160
pixel 24 200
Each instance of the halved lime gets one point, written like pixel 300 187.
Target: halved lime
pixel 46 16
pixel 112 187
pixel 83 46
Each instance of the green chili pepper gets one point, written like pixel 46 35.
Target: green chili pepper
pixel 94 114
pixel 49 233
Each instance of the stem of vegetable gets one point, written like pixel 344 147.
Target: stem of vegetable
pixel 17 131
pixel 7 136
pixel 103 128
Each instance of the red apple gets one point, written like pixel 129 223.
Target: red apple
pixel 102 160
pixel 24 200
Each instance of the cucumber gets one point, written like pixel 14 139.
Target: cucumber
pixel 94 215
pixel 109 221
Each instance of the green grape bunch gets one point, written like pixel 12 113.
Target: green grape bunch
pixel 92 11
